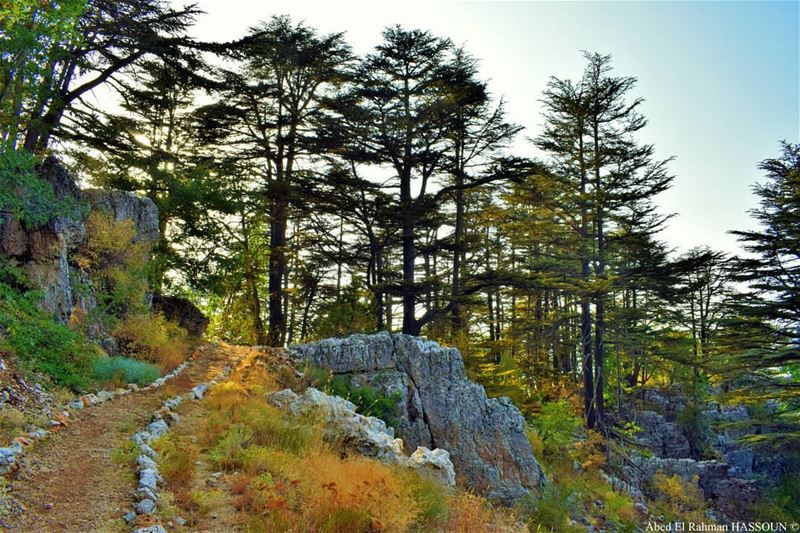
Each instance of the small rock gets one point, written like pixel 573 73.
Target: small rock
pixel 48 506
pixel 77 404
pixel 180 521
pixel 158 528
pixel 157 428
pixel 129 517
pixel 199 391
pixel 145 506
pixel 144 462
pixel 148 451
pixel 104 396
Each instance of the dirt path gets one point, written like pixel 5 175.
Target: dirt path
pixel 71 483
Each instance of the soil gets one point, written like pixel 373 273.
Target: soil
pixel 71 483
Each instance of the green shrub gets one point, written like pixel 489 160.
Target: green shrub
pixel 368 401
pixel 39 342
pixel 556 426
pixel 124 369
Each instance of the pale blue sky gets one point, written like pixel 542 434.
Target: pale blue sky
pixel 721 80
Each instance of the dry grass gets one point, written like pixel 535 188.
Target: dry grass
pixel 153 338
pixel 282 476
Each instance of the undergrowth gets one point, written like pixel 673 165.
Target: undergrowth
pixel 280 474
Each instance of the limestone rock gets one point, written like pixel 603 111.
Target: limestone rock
pixel 124 205
pixel 435 463
pixel 440 407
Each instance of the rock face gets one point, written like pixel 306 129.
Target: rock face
pixel 440 407
pixel 124 205
pixel 182 311
pixel 365 435
pixel 46 253
pixel 730 474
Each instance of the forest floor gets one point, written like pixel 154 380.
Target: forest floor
pixel 73 481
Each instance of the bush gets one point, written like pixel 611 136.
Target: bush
pixel 124 370
pixel 24 194
pixel 153 338
pixel 556 425
pixel 38 341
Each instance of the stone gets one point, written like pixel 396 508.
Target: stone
pixel 282 399
pixel 198 391
pixel 129 517
pixel 146 506
pixel 146 493
pixel 124 205
pixel 104 395
pixel 76 404
pixel 181 521
pixel 143 462
pixel 149 478
pixel 664 439
pixel 435 463
pixel 439 407
pixel 157 428
pixel 148 451
pixel 365 435
pixel 158 528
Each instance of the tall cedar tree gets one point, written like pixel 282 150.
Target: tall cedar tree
pixel 108 39
pixel 266 117
pixel 590 133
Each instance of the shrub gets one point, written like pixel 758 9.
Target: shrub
pixel 368 400
pixel 124 370
pixel 39 342
pixel 678 498
pixel 556 425
pixel 24 194
pixel 176 458
pixel 154 338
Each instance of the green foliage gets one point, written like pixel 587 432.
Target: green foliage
pixel 39 342
pixel 782 502
pixel 351 312
pixel 556 425
pixel 124 369
pixel 34 36
pixel 368 400
pixel 23 193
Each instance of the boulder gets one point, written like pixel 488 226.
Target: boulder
pixel 664 439
pixel 439 407
pixel 182 311
pixel 365 435
pixel 434 463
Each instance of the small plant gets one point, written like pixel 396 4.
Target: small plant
pixel 556 425
pixel 152 337
pixel 122 370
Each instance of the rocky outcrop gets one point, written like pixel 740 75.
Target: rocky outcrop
pixel 46 253
pixel 124 205
pixel 182 311
pixel 365 435
pixel 730 474
pixel 662 438
pixel 439 407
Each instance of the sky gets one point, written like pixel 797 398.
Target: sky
pixel 721 80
